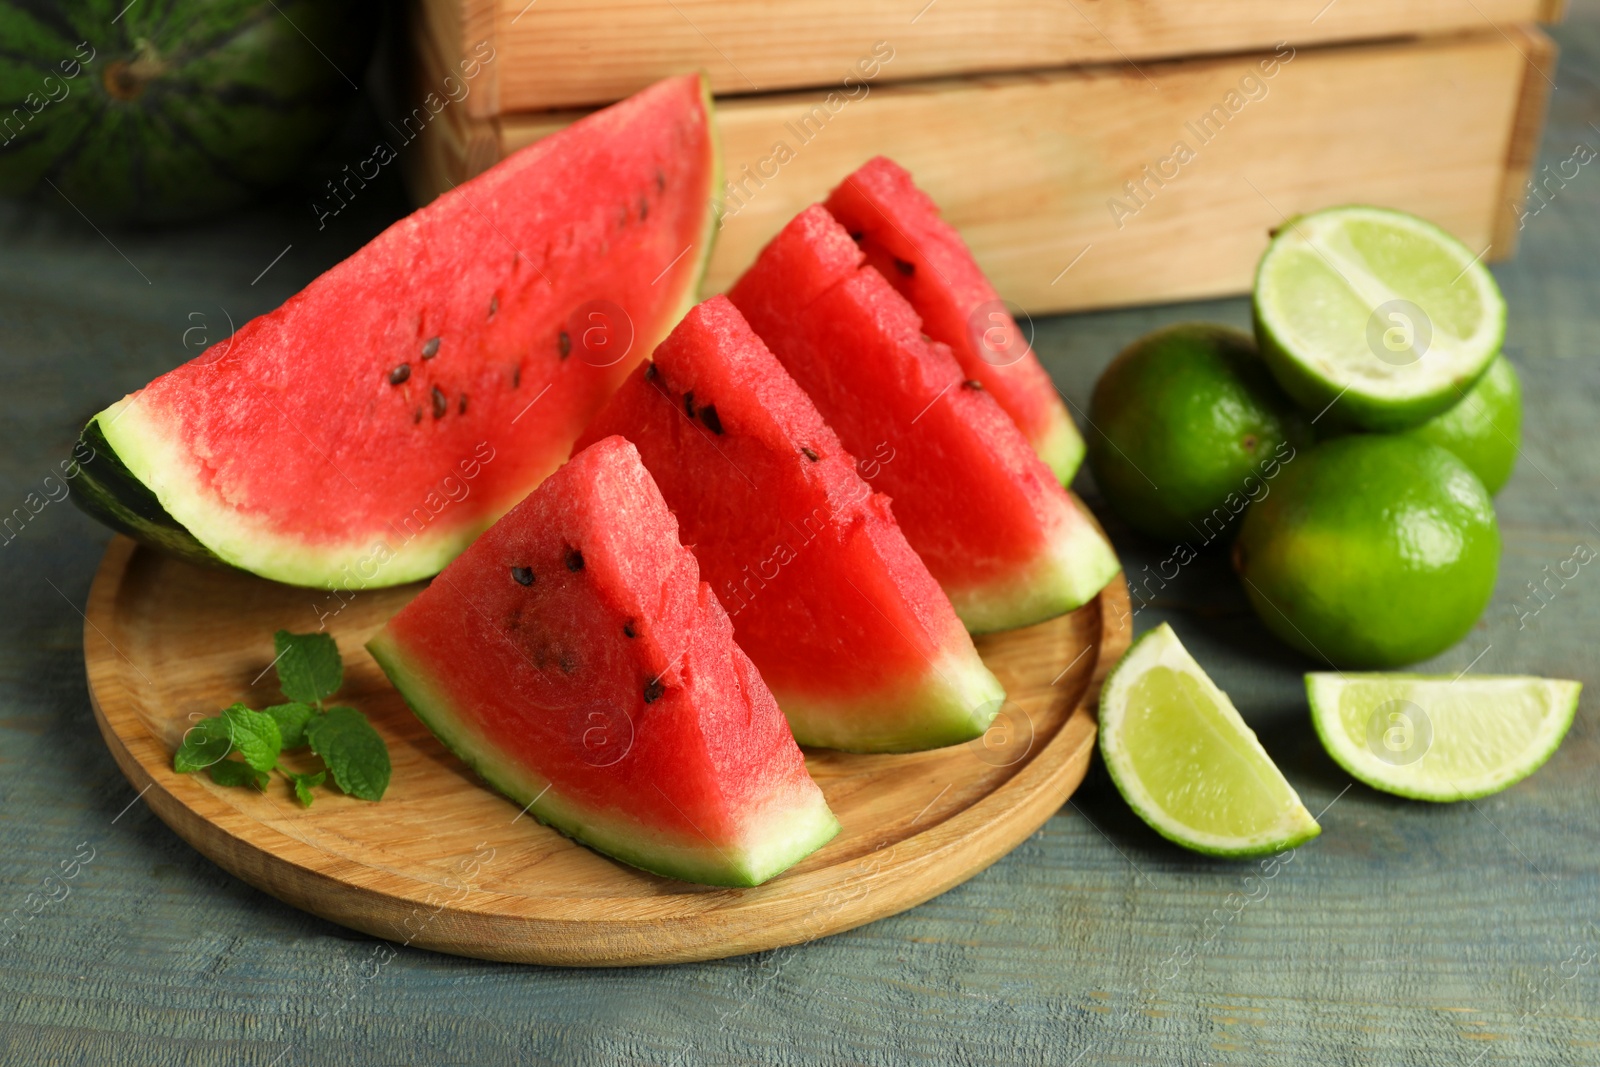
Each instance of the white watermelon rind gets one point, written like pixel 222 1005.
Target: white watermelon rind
pixel 789 829
pixel 1061 446
pixel 1074 566
pixel 955 701
pixel 165 467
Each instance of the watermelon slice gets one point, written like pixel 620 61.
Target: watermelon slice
pixel 989 519
pixel 574 658
pixel 367 430
pixel 898 226
pixel 846 625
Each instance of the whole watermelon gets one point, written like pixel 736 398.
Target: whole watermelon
pixel 164 110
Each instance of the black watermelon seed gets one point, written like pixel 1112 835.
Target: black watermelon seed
pixel 650 372
pixel 810 454
pixel 523 575
pixel 905 268
pixel 574 560
pixel 416 416
pixel 661 181
pixel 430 349
pixel 973 383
pixel 441 403
pixel 644 209
pixel 516 376
pixel 708 415
pixel 564 343
pixel 628 630
pixel 653 691
pixel 494 305
pixel 462 407
pixel 856 236
pixel 688 403
pixel 400 374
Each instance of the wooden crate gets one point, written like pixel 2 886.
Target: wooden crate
pixel 561 53
pixel 1035 169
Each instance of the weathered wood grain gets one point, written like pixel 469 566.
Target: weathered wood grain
pixel 1056 179
pixel 561 53
pixel 444 863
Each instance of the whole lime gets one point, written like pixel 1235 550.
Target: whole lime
pixel 1186 427
pixel 1484 430
pixel 1371 551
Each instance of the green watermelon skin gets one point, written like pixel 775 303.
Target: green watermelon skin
pixel 362 434
pixel 170 110
pixel 573 657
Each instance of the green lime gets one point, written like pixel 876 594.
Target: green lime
pixel 1376 313
pixel 1186 427
pixel 1485 428
pixel 1438 738
pixel 1371 551
pixel 1185 761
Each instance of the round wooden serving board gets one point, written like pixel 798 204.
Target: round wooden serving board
pixel 444 863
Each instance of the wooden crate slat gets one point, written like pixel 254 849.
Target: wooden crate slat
pixel 561 53
pixel 1027 166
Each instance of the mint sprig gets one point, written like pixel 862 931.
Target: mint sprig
pixel 309 668
pixel 310 671
pixel 205 743
pixel 292 720
pixel 353 751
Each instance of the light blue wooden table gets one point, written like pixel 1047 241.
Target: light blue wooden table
pixel 1407 934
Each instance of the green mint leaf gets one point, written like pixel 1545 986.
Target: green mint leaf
pixel 204 744
pixel 309 667
pixel 232 772
pixel 254 735
pixel 304 783
pixel 291 720
pixel 353 751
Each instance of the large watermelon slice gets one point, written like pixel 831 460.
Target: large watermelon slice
pixel 366 431
pixel 574 658
pixel 994 526
pixel 898 226
pixel 858 643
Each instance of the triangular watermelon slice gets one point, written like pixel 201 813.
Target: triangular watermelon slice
pixel 363 433
pixel 854 636
pixel 574 658
pixel 997 530
pixel 899 228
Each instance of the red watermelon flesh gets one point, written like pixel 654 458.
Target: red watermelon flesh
pixel 574 658
pixel 899 228
pixel 363 433
pixel 1000 534
pixel 857 641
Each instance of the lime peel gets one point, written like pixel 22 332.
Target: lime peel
pixel 1432 737
pixel 1187 763
pixel 1335 286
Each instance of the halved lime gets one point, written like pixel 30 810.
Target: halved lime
pixel 1431 737
pixel 1186 762
pixel 1385 317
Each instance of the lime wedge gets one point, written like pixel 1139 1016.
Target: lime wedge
pixel 1376 312
pixel 1436 738
pixel 1186 762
